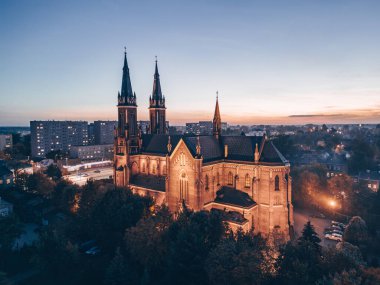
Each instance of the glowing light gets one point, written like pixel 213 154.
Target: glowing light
pixel 332 203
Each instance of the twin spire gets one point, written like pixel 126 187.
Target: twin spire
pixel 126 97
pixel 156 100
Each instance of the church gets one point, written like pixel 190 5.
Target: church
pixel 246 178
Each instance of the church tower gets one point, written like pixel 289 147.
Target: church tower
pixel 217 121
pixel 157 109
pixel 126 133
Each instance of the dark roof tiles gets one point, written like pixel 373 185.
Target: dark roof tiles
pixel 240 148
pixel 231 196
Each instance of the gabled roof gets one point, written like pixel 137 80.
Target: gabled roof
pixel 210 147
pixel 240 148
pixel 271 154
pixel 158 143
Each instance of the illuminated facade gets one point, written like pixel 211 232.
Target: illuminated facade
pixel 246 178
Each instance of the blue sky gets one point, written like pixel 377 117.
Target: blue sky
pixel 272 61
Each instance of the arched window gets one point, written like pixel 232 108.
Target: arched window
pixel 230 179
pixel 153 168
pixel 206 182
pixel 164 170
pixel 247 182
pixel 217 179
pixel 277 183
pixel 183 188
pixel 182 159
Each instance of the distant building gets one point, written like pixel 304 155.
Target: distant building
pixel 92 152
pixel 91 133
pixel 205 127
pixel 104 132
pixel 6 177
pixel 256 133
pixel 202 128
pixel 144 126
pixel 47 136
pixel 371 179
pixel 6 208
pixel 5 141
pixel 192 128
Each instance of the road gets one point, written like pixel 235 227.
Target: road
pixel 300 219
pixel 82 176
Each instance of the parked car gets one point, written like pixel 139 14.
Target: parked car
pixel 93 251
pixel 334 231
pixel 338 224
pixel 333 237
pixel 336 227
pixel 87 245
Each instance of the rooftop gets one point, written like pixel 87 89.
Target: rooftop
pixel 230 196
pixel 149 181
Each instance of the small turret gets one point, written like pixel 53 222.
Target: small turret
pixel 257 154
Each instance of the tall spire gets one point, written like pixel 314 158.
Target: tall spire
pixel 157 98
pixel 157 112
pixel 127 97
pixel 217 121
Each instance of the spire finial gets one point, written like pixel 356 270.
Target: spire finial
pixel 156 58
pixel 217 94
pixel 125 50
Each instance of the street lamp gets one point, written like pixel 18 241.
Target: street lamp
pixel 332 203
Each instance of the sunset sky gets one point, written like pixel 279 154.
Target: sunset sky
pixel 273 62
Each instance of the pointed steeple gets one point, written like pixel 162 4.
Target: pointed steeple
pixel 217 121
pixel 157 112
pixel 127 97
pixel 157 100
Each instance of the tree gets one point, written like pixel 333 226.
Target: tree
pixel 117 271
pixel 243 258
pixel 301 263
pixel 66 196
pixel 309 185
pixel 310 236
pixel 57 255
pixel 362 157
pixel 40 184
pixel 3 279
pixel 350 251
pixel 10 229
pixel 191 238
pixel 146 242
pixel 356 231
pixel 118 210
pixel 54 172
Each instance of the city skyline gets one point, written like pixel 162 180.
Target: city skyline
pixel 300 63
